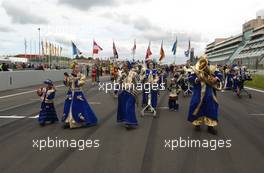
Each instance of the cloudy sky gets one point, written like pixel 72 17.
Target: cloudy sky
pixel 123 21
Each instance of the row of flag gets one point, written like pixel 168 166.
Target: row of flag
pixel 46 48
pixel 97 49
pixel 51 49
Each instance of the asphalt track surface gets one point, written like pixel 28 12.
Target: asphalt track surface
pixel 142 150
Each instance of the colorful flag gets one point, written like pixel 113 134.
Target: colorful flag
pixel 75 50
pixel 162 53
pixel 148 53
pixel 115 51
pixel 187 52
pixel 174 47
pixel 96 48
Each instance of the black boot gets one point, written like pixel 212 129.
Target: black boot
pixel 212 130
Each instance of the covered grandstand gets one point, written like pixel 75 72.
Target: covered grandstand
pixel 246 48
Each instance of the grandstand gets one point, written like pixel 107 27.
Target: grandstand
pixel 246 48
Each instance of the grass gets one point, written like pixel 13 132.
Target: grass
pixel 257 82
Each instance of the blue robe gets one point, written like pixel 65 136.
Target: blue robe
pixel 126 108
pixel 206 106
pixel 154 93
pixel 47 110
pixel 229 81
pixel 77 112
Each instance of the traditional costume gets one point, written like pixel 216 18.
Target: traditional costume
pixel 127 99
pixel 77 112
pixel 151 77
pixel 203 107
pixel 47 110
pixel 174 89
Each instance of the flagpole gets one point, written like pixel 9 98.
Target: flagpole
pixel 175 51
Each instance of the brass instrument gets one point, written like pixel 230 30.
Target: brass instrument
pixel 205 73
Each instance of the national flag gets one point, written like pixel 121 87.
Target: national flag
pixel 75 50
pixel 174 47
pixel 187 52
pixel 96 48
pixel 162 53
pixel 148 53
pixel 115 51
pixel 134 48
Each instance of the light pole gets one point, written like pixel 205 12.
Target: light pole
pixel 39 41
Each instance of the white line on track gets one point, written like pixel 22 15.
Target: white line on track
pixel 36 116
pixel 253 89
pixel 12 117
pixel 16 106
pixel 26 92
pixel 18 117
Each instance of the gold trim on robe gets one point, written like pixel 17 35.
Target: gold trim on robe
pixel 205 120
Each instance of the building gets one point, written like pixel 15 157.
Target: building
pixel 246 48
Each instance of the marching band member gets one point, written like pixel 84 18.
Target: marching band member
pixel 174 89
pixel 47 110
pixel 203 108
pixel 228 79
pixel 151 77
pixel 127 99
pixel 236 79
pixel 77 111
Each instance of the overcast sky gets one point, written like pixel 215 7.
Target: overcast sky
pixel 123 21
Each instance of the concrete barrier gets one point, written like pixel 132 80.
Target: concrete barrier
pixel 19 79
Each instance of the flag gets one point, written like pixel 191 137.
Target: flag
pixel 75 50
pixel 42 48
pixel 134 48
pixel 187 52
pixel 115 51
pixel 96 48
pixel 46 47
pixel 60 51
pixel 148 53
pixel 162 53
pixel 174 47
pixel 25 44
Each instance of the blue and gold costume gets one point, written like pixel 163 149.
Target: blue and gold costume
pixel 203 107
pixel 77 112
pixel 127 101
pixel 47 110
pixel 151 76
pixel 228 79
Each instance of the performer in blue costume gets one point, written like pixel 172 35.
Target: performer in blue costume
pixel 127 99
pixel 204 105
pixel 47 110
pixel 228 79
pixel 151 77
pixel 77 112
